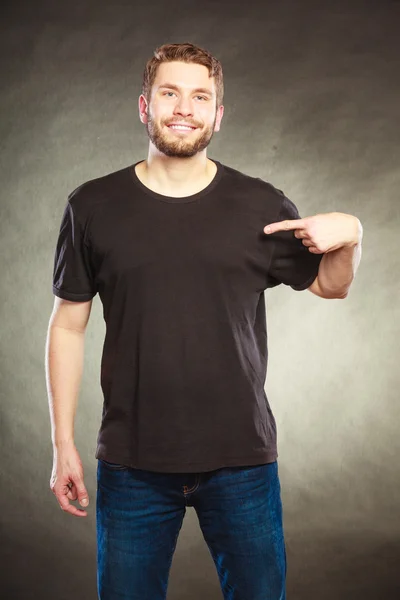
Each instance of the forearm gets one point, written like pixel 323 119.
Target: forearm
pixel 337 270
pixel 64 367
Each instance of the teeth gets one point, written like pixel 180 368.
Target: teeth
pixel 180 127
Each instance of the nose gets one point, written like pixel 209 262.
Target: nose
pixel 183 107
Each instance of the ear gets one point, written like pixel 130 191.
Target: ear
pixel 143 108
pixel 220 113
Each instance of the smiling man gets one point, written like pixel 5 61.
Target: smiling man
pixel 180 122
pixel 180 249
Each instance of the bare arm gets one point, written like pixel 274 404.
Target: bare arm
pixel 336 272
pixel 64 367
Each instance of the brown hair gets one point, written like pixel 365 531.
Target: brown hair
pixel 187 53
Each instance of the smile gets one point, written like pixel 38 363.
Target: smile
pixel 181 128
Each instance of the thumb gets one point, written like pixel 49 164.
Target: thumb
pixel 83 496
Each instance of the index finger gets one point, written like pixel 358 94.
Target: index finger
pixel 288 225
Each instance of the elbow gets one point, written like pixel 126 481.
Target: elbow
pixel 342 295
pixel 338 294
pixel 334 295
pixel 328 294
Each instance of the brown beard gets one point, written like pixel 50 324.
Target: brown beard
pixel 178 148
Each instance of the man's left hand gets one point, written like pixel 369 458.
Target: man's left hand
pixel 322 233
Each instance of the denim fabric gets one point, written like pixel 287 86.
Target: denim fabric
pixel 140 513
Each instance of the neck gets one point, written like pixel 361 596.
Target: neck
pixel 176 173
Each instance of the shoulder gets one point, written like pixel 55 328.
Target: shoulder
pixel 97 191
pixel 260 194
pixel 250 182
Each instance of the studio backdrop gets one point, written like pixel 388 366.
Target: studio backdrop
pixel 312 97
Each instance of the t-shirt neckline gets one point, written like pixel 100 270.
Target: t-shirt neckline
pixel 183 199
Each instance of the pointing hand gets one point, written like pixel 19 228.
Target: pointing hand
pixel 322 233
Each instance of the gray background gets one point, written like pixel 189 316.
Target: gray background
pixel 311 105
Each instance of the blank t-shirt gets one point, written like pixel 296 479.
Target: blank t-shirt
pixel 182 282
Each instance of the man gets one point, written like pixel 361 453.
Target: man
pixel 180 249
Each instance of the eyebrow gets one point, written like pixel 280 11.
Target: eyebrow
pixel 172 86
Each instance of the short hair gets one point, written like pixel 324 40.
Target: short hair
pixel 188 53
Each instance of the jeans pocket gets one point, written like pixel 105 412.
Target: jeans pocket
pixel 113 466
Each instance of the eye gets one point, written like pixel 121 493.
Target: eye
pixel 166 93
pixel 202 97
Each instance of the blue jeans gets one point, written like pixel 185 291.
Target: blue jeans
pixel 140 513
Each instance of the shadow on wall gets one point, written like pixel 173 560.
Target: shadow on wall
pixel 321 566
pixel 342 566
pixel 36 568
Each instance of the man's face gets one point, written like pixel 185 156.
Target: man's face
pixel 182 93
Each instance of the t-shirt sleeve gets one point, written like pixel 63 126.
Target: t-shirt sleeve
pixel 73 274
pixel 291 263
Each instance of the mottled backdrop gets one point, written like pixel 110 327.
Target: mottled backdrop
pixel 312 105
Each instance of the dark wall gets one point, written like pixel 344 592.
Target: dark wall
pixel 312 97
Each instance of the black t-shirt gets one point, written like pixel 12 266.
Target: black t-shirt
pixel 182 283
